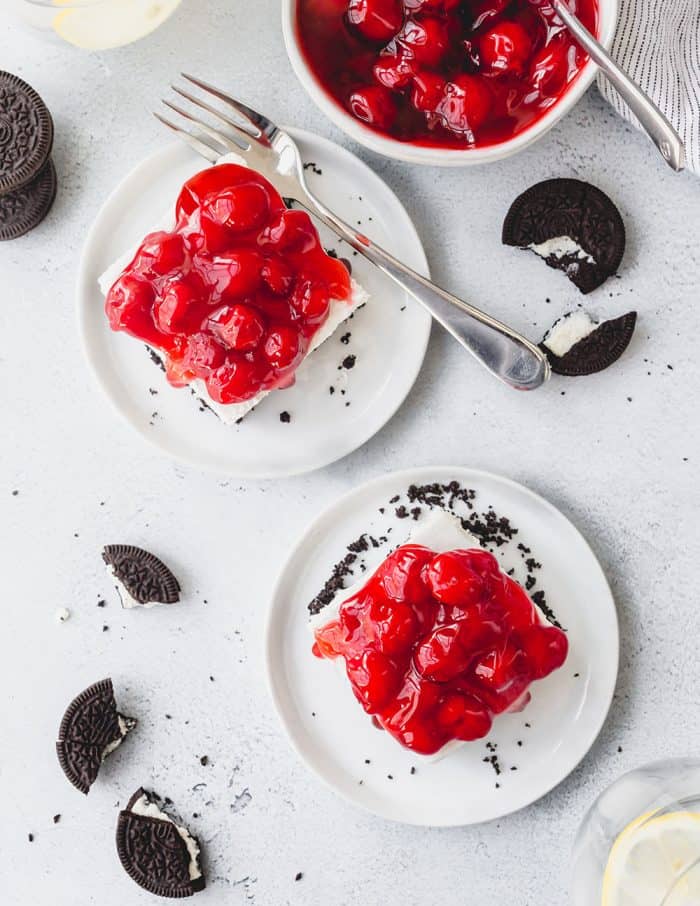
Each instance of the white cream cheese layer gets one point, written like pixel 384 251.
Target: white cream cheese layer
pixel 339 312
pixel 145 806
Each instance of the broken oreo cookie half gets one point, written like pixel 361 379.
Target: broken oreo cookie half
pixel 91 729
pixel 573 226
pixel 159 854
pixel 142 579
pixel 576 345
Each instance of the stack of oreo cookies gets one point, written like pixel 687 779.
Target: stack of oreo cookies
pixel 27 173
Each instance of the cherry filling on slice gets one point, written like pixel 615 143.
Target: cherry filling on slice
pixel 451 73
pixel 436 644
pixel 235 293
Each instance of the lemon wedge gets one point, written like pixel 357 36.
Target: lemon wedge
pixel 111 23
pixel 654 862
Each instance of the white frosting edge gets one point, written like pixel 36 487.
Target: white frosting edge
pixel 148 808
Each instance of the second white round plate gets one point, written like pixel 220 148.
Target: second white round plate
pixel 535 749
pixel 387 338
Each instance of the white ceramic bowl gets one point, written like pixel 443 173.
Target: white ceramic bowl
pixel 442 157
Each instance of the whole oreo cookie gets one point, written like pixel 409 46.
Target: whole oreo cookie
pixel 25 208
pixel 576 345
pixel 573 226
pixel 26 133
pixel 162 856
pixel 91 729
pixel 142 579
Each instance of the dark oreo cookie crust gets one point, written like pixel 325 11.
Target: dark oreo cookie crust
pixel 569 207
pixel 153 853
pixel 598 351
pixel 89 726
pixel 23 209
pixel 26 133
pixel 147 579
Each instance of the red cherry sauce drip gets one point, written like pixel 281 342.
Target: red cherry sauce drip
pixel 435 645
pixel 445 73
pixel 235 293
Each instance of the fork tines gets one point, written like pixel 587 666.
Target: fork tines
pixel 238 126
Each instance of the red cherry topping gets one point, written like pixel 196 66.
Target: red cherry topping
pixel 426 39
pixel 235 293
pixel 435 645
pixel 466 104
pixel 374 105
pixel 282 347
pixel 376 20
pixel 238 327
pixel 373 58
pixel 505 47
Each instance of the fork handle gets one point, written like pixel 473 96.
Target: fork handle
pixel 652 120
pixel 505 353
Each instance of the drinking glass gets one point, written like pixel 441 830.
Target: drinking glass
pixel 95 24
pixel 634 804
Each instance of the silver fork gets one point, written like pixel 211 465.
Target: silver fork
pixel 272 152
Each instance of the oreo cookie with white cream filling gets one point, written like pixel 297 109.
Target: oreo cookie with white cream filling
pixel 161 855
pixel 576 345
pixel 91 729
pixel 142 580
pixel 573 226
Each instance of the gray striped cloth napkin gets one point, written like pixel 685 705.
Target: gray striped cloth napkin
pixel 658 44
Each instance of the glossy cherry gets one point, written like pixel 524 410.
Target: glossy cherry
pixel 234 294
pixel 435 645
pixel 403 69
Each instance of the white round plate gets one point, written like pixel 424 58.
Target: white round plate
pixel 336 739
pixel 388 337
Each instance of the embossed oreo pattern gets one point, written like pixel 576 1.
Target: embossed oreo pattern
pixel 26 133
pixel 146 578
pixel 154 854
pixel 569 207
pixel 90 724
pixel 25 208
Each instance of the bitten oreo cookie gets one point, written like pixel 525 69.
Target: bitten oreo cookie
pixel 142 579
pixel 573 226
pixel 26 133
pixel 162 856
pixel 576 346
pixel 91 729
pixel 25 208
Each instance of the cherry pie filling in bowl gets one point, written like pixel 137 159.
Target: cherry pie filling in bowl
pixel 436 645
pixel 443 73
pixel 234 295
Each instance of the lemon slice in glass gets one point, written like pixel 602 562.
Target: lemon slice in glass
pixel 110 23
pixel 654 862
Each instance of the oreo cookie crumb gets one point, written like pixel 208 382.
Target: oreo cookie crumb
pixel 314 168
pixel 204 760
pixel 30 837
pixel 285 417
pixel 299 875
pixel 348 362
pixel 56 819
pixel 345 339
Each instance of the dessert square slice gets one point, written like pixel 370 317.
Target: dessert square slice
pixel 438 640
pixel 233 292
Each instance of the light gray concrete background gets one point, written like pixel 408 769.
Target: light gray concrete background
pixel 617 453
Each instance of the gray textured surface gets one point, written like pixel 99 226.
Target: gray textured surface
pixel 618 453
